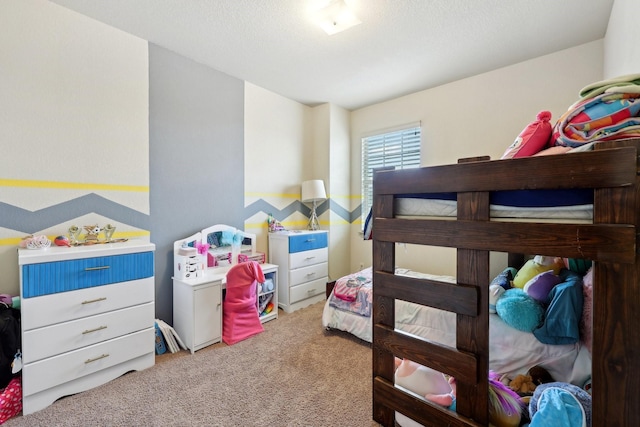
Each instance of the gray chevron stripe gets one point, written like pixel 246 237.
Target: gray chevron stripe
pixel 16 218
pixel 297 206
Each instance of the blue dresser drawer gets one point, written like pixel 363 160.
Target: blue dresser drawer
pixel 307 242
pixel 62 276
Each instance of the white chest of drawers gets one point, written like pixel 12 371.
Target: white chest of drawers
pixel 303 260
pixel 87 317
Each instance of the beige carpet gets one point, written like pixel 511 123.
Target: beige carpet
pixel 293 374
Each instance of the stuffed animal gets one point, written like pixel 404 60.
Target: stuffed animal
pixel 505 278
pixel 539 264
pixel 540 285
pixel 556 401
pixel 540 375
pixel 495 292
pixel 522 384
pixel 420 379
pixel 505 406
pixel 447 400
pixel 519 310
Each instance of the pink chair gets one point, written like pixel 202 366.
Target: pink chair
pixel 239 311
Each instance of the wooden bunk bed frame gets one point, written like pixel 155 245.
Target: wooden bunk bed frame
pixel 610 241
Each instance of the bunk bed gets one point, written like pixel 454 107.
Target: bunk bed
pixel 609 240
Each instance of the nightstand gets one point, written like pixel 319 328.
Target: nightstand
pixel 302 257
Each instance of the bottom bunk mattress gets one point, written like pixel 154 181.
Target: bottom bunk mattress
pixel 511 352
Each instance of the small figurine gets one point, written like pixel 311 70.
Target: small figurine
pixel 274 224
pixel 92 234
pixel 62 241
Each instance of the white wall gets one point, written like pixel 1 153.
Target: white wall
pixel 74 103
pixel 622 42
pixel 286 143
pixel 339 183
pixel 480 115
pixel 276 139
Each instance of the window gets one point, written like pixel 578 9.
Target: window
pixel 399 149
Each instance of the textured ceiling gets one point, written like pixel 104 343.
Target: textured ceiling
pixel 402 46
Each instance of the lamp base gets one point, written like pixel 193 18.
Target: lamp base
pixel 313 219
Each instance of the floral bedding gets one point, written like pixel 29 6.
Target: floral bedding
pixel 354 293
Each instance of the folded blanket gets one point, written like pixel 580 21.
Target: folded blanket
pixel 604 117
pixel 627 83
pixel 347 287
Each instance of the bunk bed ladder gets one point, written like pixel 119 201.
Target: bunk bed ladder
pixel 468 362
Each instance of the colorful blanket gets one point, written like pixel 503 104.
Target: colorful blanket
pixel 609 109
pixel 354 293
pixel 611 115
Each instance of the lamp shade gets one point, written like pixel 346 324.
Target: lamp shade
pixel 313 191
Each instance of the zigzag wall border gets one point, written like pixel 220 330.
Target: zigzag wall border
pixel 297 206
pixel 15 218
pixel 18 219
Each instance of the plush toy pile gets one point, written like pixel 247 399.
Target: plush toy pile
pixel 545 297
pixel 533 400
pixel 549 297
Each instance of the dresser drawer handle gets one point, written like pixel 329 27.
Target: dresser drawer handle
pixel 94 300
pixel 96 358
pixel 313 273
pixel 311 291
pixel 104 267
pixel 99 328
pixel 309 258
pixel 310 240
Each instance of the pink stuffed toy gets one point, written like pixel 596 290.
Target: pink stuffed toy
pixel 420 379
pixel 447 400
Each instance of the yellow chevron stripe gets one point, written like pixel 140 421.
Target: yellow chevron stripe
pixel 297 225
pixel 23 183
pixel 297 195
pixel 274 195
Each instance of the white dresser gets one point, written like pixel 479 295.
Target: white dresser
pixel 88 317
pixel 303 260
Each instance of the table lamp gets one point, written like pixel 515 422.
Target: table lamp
pixel 313 192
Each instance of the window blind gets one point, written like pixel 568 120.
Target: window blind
pixel 399 149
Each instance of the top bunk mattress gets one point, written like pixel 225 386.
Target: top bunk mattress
pixel 531 204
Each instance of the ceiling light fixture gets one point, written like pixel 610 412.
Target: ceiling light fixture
pixel 336 17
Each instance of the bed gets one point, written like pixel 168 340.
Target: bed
pixel 512 351
pixel 609 239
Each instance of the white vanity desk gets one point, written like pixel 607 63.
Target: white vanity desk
pixel 197 300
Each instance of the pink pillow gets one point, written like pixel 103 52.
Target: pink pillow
pixel 532 139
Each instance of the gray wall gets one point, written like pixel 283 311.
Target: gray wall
pixel 196 157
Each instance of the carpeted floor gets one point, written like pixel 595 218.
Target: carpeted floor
pixel 293 374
